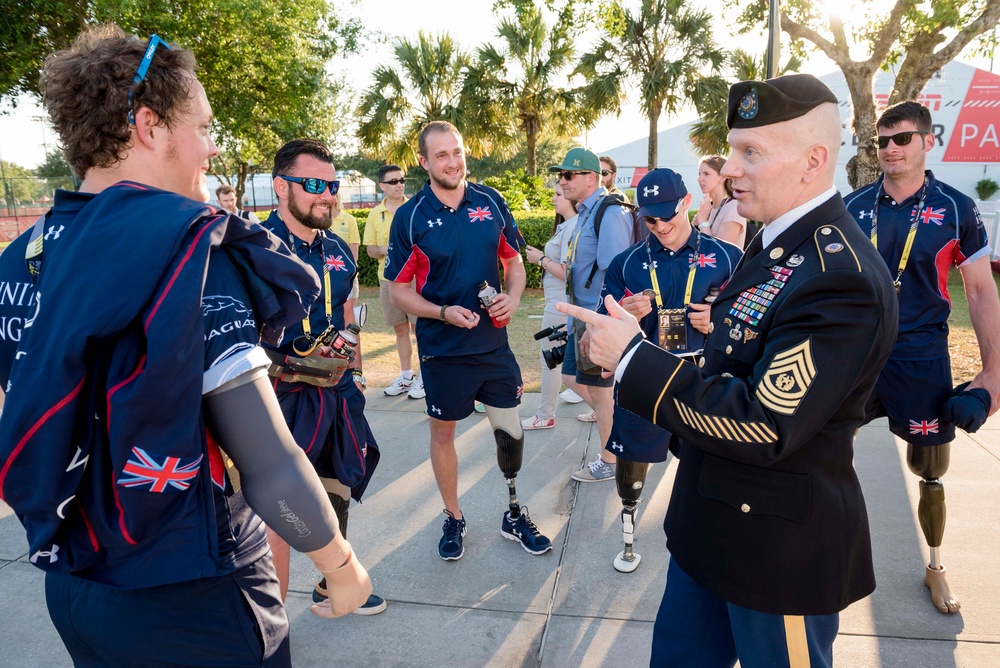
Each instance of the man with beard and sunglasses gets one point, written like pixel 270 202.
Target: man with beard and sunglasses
pixel 125 388
pixel 323 406
pixel 923 227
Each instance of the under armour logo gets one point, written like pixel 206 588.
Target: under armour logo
pixel 646 265
pixel 52 555
pixel 435 409
pixel 616 446
pixel 53 233
pixel 866 214
pixel 432 223
pixel 647 191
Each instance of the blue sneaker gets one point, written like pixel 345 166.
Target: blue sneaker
pixel 373 606
pixel 450 548
pixel 524 530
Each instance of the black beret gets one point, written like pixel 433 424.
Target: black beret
pixel 756 103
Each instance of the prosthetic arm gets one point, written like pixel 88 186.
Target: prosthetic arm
pixel 281 486
pixel 630 478
pixel 510 449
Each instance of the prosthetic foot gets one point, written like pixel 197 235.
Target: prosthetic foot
pixel 630 478
pixel 941 594
pixel 510 452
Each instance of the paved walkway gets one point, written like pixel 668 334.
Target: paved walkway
pixel 500 606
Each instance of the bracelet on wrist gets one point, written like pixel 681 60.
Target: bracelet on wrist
pixel 541 261
pixel 443 309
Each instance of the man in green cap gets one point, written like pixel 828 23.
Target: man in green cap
pixel 601 233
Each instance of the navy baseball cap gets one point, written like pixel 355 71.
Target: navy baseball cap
pixel 659 194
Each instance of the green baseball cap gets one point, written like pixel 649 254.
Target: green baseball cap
pixel 579 159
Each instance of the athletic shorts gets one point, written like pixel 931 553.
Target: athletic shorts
pixel 393 314
pixel 230 620
pixel 911 393
pixel 454 384
pixel 569 366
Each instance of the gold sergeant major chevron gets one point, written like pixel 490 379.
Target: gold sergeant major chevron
pixel 787 379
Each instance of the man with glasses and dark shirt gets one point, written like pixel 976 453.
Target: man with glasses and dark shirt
pixel 323 406
pixel 589 256
pixel 392 182
pixel 609 171
pixel 126 388
pixel 922 228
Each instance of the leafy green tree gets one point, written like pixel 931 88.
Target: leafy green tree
pixel 56 171
pixel 522 72
pixel 430 80
pixel 29 31
pixel 521 190
pixel 917 39
pixel 18 185
pixel 709 133
pixel 665 49
pixel 262 62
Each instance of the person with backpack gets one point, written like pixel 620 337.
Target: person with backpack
pixel 605 227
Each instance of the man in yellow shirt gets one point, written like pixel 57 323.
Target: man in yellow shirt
pixel 392 182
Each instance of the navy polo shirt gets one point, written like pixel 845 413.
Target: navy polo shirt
pixel 448 253
pixel 950 232
pixel 329 256
pixel 628 274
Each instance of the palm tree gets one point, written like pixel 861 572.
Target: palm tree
pixel 664 49
pixel 709 133
pixel 520 74
pixel 428 82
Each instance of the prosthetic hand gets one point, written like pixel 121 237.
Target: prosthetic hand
pixel 967 409
pixel 347 580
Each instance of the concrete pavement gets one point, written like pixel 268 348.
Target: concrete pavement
pixel 500 606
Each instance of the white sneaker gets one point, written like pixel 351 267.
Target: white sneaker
pixel 570 397
pixel 587 417
pixel 398 386
pixel 417 391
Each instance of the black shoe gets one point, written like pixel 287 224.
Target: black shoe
pixel 450 548
pixel 522 529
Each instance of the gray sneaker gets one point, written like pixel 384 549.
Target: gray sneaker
pixel 398 386
pixel 596 471
pixel 417 391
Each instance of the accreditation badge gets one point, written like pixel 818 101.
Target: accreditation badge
pixel 672 328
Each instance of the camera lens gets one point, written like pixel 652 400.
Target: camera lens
pixel 554 356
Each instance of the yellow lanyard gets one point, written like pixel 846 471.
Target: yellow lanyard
pixel 690 279
pixel 910 236
pixel 327 302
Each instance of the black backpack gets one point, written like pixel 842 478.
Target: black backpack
pixel 639 230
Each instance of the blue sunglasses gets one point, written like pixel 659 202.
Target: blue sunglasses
pixel 140 74
pixel 313 186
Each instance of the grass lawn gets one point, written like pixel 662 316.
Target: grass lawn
pixel 381 363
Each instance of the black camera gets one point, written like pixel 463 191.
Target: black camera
pixel 553 356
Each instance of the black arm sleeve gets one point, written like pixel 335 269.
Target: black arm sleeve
pixel 277 479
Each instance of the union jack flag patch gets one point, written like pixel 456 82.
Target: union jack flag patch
pixel 930 215
pixel 480 213
pixel 705 260
pixel 923 427
pixel 172 472
pixel 332 263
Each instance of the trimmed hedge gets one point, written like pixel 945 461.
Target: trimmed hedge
pixel 536 227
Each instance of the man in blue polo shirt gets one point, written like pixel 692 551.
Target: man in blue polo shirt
pixel 667 281
pixel 590 253
pixel 922 228
pixel 324 412
pixel 447 239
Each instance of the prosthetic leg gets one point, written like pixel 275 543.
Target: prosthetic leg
pixel 930 463
pixel 340 498
pixel 630 478
pixel 510 450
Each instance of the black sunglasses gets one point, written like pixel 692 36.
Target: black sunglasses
pixel 568 176
pixel 140 74
pixel 900 138
pixel 606 172
pixel 394 182
pixel 313 186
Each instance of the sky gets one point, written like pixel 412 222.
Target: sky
pixel 24 136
